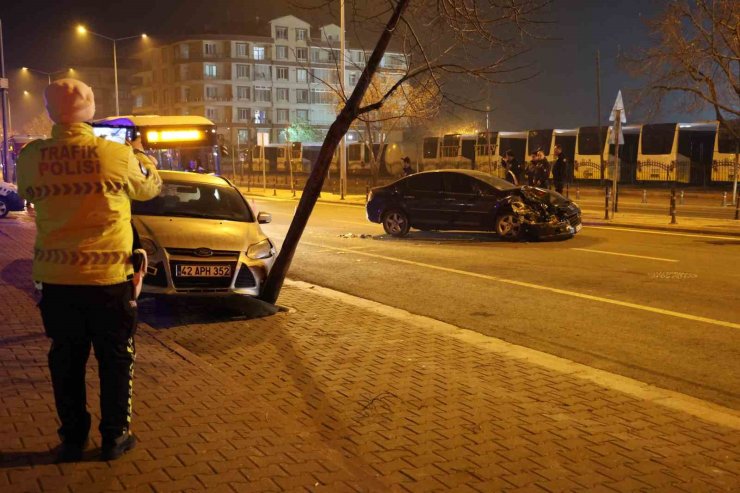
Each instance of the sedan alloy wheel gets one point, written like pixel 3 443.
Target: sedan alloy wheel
pixel 396 223
pixel 509 226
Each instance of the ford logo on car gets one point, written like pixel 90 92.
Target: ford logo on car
pixel 203 252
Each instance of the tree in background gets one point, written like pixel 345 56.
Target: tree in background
pixel 38 125
pixel 410 104
pixel 694 58
pixel 449 42
pixel 300 131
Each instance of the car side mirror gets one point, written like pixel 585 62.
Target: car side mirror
pixel 264 218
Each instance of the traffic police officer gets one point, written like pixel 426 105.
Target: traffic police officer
pixel 82 187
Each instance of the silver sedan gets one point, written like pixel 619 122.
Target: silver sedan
pixel 202 238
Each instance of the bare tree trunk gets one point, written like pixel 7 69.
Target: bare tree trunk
pixel 274 282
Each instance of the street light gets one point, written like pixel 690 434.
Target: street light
pixel 83 30
pixel 47 74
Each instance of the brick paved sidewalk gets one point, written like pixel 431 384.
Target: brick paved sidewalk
pixel 344 395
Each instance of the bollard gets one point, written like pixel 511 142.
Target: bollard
pixel 644 196
pixel 673 206
pixel 724 199
pixel 578 193
pixel 367 193
pixel 607 196
pixel 737 208
pixel 567 191
pixel 680 199
pixel 274 187
pixel 295 184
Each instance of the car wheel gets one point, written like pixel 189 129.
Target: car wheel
pixel 509 226
pixel 396 223
pixel 4 209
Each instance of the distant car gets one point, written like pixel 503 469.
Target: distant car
pixel 9 199
pixel 472 201
pixel 202 238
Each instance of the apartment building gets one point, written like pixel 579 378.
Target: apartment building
pixel 252 84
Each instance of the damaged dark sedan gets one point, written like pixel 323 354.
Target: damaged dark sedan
pixel 472 201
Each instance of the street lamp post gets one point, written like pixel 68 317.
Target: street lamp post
pixel 47 74
pixel 83 30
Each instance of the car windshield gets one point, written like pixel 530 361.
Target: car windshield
pixel 181 199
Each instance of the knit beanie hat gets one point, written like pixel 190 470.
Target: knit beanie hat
pixel 69 101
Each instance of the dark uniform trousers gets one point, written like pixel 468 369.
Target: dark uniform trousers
pixel 76 317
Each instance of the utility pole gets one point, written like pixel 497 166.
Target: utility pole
pixel 4 96
pixel 343 143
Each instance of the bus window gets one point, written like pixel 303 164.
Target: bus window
pixel 539 139
pixel 588 140
pixel 726 142
pixel 658 138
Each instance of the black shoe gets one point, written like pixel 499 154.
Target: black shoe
pixel 113 449
pixel 70 452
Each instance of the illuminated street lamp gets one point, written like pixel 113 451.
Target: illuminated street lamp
pixel 47 74
pixel 83 30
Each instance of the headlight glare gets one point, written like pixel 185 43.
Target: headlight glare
pixel 263 249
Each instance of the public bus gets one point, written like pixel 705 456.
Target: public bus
pixel 457 151
pixel 725 157
pixel 588 155
pixel 658 158
pixel 486 158
pixel 177 142
pixel 546 140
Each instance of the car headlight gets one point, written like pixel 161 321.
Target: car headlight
pixel 263 249
pixel 149 246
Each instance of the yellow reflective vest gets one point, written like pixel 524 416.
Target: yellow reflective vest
pixel 81 187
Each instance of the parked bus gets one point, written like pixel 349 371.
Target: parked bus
pixel 486 158
pixel 588 155
pixel 726 147
pixel 430 153
pixel 627 154
pixel 658 158
pixel 546 139
pixel 457 151
pixel 178 142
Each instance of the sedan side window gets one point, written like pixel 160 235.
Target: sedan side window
pixel 425 182
pixel 458 183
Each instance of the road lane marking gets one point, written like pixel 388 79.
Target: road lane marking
pixel 524 284
pixel 624 254
pixel 664 233
pixel 707 411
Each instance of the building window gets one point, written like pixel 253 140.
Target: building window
pixel 353 78
pixel 209 49
pixel 243 134
pixel 243 114
pixel 262 94
pixel 186 94
pixel 283 115
pixel 281 52
pixel 165 76
pixel 139 101
pixel 262 72
pixel 301 96
pixel 258 53
pixel 242 49
pixel 211 92
pixel 242 92
pixel 260 116
pixel 154 98
pixel 281 32
pixel 282 94
pixel 282 73
pixel 301 34
pixel 301 54
pixel 301 115
pixel 184 51
pixel 209 70
pixel 212 114
pixel 165 97
pixel 319 96
pixel 301 75
pixel 242 71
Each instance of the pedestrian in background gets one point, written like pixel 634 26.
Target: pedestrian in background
pixel 82 186
pixel 530 171
pixel 542 170
pixel 407 169
pixel 559 168
pixel 513 168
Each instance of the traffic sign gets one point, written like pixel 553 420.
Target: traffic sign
pixel 3 83
pixel 618 106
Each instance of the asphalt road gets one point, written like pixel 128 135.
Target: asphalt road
pixel 655 306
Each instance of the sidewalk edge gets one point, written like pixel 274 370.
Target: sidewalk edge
pixel 677 401
pixel 650 227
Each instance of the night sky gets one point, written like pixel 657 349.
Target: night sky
pixel 40 34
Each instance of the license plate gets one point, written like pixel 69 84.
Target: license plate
pixel 579 227
pixel 203 271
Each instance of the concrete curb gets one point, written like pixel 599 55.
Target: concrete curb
pixel 650 227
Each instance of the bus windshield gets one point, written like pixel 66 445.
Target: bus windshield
pixel 588 140
pixel 658 138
